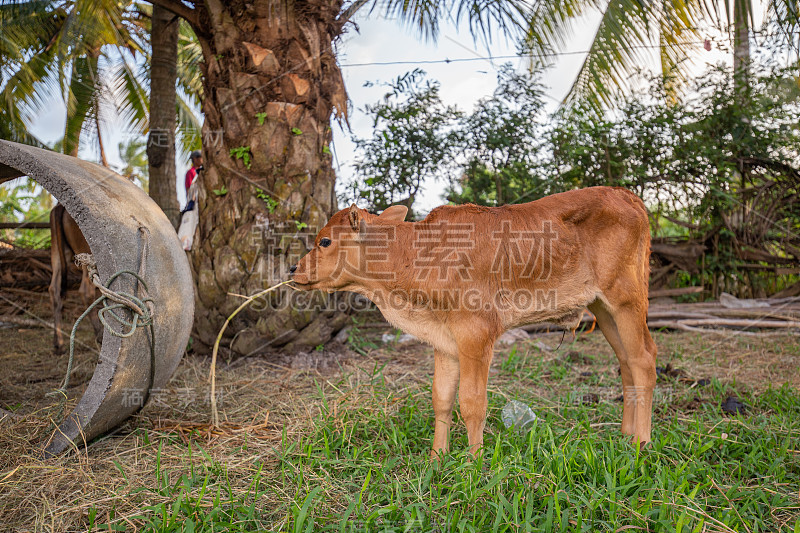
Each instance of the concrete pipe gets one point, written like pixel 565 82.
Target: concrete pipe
pixel 123 227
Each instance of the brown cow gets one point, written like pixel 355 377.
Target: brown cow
pixel 465 274
pixel 66 241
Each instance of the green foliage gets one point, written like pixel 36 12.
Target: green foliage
pixel 623 42
pixel 502 140
pixel 57 48
pixel 243 153
pixel 629 34
pixel 413 140
pixel 271 202
pixel 96 55
pixel 261 118
pixel 222 191
pixel 357 340
pixel 134 158
pixel 300 225
pixel 297 131
pixel 24 200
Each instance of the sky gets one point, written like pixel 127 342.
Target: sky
pixel 381 40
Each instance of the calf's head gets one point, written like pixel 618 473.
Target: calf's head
pixel 337 260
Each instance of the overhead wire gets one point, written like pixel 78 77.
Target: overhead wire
pixel 542 55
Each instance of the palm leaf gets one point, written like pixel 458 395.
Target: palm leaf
pixel 190 128
pixel 132 96
pixel 28 88
pixel 190 55
pixel 81 101
pixel 615 51
pixel 511 17
pixel 14 129
pixel 26 28
pixel 785 14
pixel 46 45
pixel 552 24
pixel 678 35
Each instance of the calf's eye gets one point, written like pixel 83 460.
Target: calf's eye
pixel 325 242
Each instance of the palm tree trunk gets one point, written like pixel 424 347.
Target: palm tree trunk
pixel 498 185
pixel 103 158
pixel 741 42
pixel 163 101
pixel 271 84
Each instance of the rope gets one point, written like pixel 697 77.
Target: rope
pixel 115 304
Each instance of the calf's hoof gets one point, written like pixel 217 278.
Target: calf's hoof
pixel 437 456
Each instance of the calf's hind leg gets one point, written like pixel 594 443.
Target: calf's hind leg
pixel 640 352
pixel 605 321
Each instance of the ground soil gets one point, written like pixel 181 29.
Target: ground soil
pixel 266 397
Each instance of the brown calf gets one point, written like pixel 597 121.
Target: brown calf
pixel 465 274
pixel 66 241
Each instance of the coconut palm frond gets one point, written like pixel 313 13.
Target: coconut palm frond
pixel 26 28
pixel 785 15
pixel 679 36
pixel 93 22
pixel 81 101
pixel 509 17
pixel 133 98
pixel 615 51
pixel 47 46
pixel 190 55
pixel 14 129
pixel 29 86
pixel 422 15
pixel 552 24
pixel 190 128
pixel 134 160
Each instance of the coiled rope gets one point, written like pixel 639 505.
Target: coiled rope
pixel 114 306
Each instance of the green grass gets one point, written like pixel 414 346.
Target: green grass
pixel 359 471
pixel 362 465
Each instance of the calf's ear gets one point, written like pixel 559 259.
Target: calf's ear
pixel 354 217
pixel 394 213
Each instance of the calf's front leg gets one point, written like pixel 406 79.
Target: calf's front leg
pixel 474 360
pixel 445 382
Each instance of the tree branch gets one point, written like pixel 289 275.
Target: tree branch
pixel 345 16
pixel 180 9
